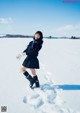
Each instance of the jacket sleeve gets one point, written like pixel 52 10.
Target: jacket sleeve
pixel 34 51
pixel 26 50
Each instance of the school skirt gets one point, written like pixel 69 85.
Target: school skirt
pixel 31 62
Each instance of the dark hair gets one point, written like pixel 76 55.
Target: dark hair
pixel 40 33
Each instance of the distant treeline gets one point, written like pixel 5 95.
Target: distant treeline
pixel 15 36
pixel 28 36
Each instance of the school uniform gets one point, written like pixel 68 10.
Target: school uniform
pixel 32 51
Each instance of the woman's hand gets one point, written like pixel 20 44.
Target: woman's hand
pixel 20 55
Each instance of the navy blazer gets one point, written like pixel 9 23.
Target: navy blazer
pixel 33 48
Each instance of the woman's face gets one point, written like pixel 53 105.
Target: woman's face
pixel 37 36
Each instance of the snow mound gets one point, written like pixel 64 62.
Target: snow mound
pixel 46 99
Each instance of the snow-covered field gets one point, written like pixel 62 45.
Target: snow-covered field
pixel 60 65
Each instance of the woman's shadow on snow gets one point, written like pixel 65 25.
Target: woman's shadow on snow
pixel 69 87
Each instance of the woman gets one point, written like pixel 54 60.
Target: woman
pixel 31 60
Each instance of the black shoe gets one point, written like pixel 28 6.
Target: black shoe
pixel 32 83
pixel 32 80
pixel 36 82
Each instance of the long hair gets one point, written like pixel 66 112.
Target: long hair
pixel 40 33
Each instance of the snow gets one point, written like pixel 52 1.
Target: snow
pixel 46 99
pixel 60 64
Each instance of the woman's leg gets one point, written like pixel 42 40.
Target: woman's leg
pixel 22 69
pixel 27 75
pixel 35 77
pixel 33 72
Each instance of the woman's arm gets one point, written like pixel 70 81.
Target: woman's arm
pixel 28 46
pixel 23 53
pixel 34 52
pixel 20 55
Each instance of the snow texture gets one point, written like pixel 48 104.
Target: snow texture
pixel 47 98
pixel 63 66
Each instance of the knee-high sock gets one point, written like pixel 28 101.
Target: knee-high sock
pixel 36 81
pixel 28 76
